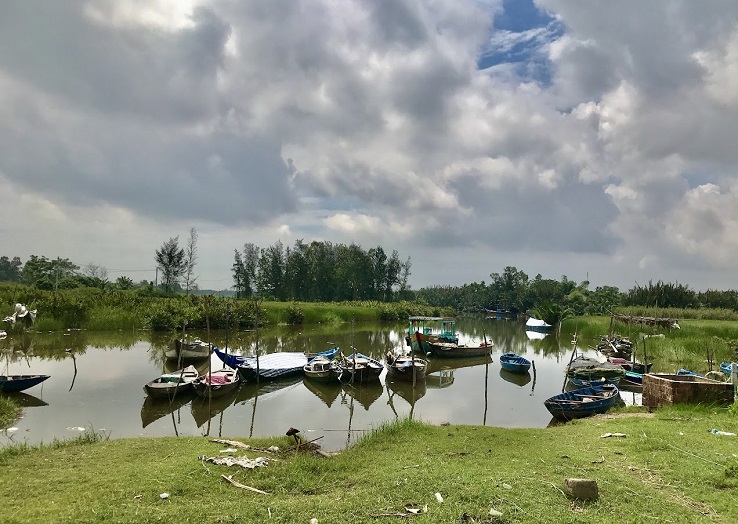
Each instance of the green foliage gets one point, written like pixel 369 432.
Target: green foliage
pixel 295 314
pixel 170 259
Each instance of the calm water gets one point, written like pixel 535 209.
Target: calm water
pixel 97 383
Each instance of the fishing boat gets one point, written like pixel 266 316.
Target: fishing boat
pixel 359 368
pixel 185 351
pixel 217 383
pixel 514 363
pixel 405 367
pixel 536 324
pixel 632 379
pixel 321 369
pixel 13 383
pixel 433 329
pixel 584 371
pixel 269 366
pixel 174 384
pixel 452 350
pixel 582 402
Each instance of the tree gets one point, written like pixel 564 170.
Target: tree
pixel 124 282
pixel 48 274
pixel 10 270
pixel 190 261
pixel 170 259
pixel 240 277
pixel 94 275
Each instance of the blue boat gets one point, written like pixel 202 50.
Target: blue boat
pixel 687 373
pixel 632 378
pixel 514 363
pixel 13 383
pixel 583 402
pixel 726 367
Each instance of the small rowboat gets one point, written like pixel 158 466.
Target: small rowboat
pixel 514 363
pixel 359 368
pixel 181 351
pixel 173 384
pixel 407 368
pixel 321 369
pixel 12 383
pixel 217 383
pixel 583 402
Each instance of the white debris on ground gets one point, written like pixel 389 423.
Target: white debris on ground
pixel 244 462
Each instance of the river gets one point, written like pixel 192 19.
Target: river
pixel 97 383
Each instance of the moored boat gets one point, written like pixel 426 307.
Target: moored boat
pixel 629 365
pixel 13 383
pixel 217 383
pixel 269 366
pixel 582 402
pixel 584 371
pixel 433 329
pixel 536 324
pixel 406 367
pixel 169 385
pixel 184 351
pixel 321 369
pixel 514 363
pixel 359 368
pixel 726 367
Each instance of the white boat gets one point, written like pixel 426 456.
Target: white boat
pixel 536 324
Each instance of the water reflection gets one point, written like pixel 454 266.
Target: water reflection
pixel 155 408
pixel 519 379
pixel 97 379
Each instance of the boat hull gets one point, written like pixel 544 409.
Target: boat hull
pixel 215 388
pixel 583 402
pixel 514 363
pixel 406 368
pixel 171 385
pixel 15 383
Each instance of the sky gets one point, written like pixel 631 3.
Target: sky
pixel 595 140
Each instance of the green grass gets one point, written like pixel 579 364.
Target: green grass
pixel 668 468
pixel 688 347
pixel 9 411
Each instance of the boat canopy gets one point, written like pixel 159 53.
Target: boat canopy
pixel 432 325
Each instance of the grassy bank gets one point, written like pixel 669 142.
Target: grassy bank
pixel 668 468
pixel 690 347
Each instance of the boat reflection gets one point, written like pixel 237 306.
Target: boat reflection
pixel 364 394
pixel 266 389
pixel 203 409
pixel 154 409
pixel 406 391
pixel 519 379
pixel 327 392
pixel 440 379
pixel 25 400
pixel 439 364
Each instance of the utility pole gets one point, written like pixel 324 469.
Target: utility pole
pixel 156 278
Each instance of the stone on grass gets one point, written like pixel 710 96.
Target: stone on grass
pixel 582 489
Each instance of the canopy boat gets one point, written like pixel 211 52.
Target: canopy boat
pixel 183 351
pixel 584 371
pixel 536 324
pixel 433 329
pixel 269 366
pixel 321 369
pixel 514 363
pixel 583 402
pixel 12 383
pixel 217 383
pixel 359 368
pixel 406 367
pixel 174 384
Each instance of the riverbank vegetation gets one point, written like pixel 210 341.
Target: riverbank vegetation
pixel 666 467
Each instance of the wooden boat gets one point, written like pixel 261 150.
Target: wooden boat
pixel 217 383
pixel 583 371
pixel 321 369
pixel 406 367
pixel 582 402
pixel 174 384
pixel 269 366
pixel 185 351
pixel 514 363
pixel 536 324
pixel 451 350
pixel 434 329
pixel 359 368
pixel 632 379
pixel 12 383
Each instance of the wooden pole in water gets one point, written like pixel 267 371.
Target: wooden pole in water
pixel 533 387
